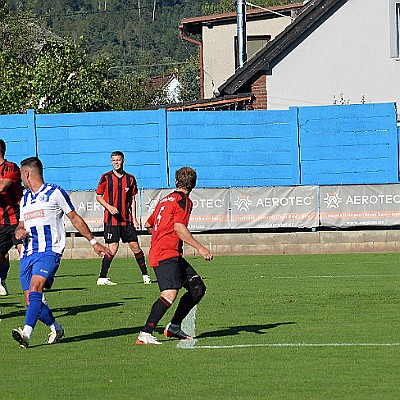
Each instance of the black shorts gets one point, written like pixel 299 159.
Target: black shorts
pixel 113 234
pixel 7 238
pixel 174 273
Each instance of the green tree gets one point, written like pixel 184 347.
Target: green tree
pixel 224 6
pixel 130 92
pixel 66 81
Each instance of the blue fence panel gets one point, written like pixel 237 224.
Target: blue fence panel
pixel 235 148
pixel 76 148
pixel 348 144
pixel 18 132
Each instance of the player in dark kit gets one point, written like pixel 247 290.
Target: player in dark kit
pixel 168 228
pixel 10 196
pixel 116 192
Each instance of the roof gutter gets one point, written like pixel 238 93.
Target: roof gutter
pixel 200 44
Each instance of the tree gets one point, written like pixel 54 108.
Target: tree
pixel 230 5
pixel 130 92
pixel 66 81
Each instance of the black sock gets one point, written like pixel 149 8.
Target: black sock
pixel 158 310
pixel 141 262
pixel 105 266
pixel 186 303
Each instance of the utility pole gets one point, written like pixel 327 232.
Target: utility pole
pixel 154 9
pixel 241 32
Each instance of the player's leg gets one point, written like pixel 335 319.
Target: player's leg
pixel 111 239
pixel 4 267
pixel 129 235
pixel 6 243
pixel 36 272
pixel 168 278
pixel 195 291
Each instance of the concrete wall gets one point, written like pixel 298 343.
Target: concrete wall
pixel 348 56
pixel 334 242
pixel 219 48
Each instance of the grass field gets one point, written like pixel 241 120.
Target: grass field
pixel 269 327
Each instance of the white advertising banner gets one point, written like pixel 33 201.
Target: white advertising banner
pixel 275 207
pixel 210 207
pixel 360 205
pixel 88 208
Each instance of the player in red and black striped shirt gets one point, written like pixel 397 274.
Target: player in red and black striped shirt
pixel 116 192
pixel 168 227
pixel 10 196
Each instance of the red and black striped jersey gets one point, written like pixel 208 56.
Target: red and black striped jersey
pixel 118 192
pixel 165 242
pixel 10 197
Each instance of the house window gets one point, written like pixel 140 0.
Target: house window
pixel 394 28
pixel 253 44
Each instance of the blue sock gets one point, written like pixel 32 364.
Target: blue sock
pixel 46 316
pixel 34 308
pixel 4 271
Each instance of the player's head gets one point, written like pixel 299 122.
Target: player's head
pixel 118 153
pixel 31 167
pixel 185 178
pixel 117 160
pixel 2 147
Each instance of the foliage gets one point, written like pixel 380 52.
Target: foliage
pixel 130 92
pixel 224 6
pixel 124 44
pixel 189 77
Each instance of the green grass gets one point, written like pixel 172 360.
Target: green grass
pixel 253 301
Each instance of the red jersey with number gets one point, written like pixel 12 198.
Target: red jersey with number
pixel 118 192
pixel 165 243
pixel 10 197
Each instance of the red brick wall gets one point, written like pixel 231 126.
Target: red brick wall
pixel 259 89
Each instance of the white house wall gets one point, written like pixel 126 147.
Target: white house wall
pixel 219 48
pixel 347 58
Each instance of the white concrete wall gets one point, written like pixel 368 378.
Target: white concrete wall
pixel 334 242
pixel 348 54
pixel 219 48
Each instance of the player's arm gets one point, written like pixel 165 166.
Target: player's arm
pixel 134 218
pixel 113 210
pixel 184 234
pixel 148 227
pixel 5 183
pixel 20 231
pixel 80 225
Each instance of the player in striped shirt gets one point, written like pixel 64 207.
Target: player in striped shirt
pixel 168 227
pixel 41 228
pixel 116 192
pixel 10 195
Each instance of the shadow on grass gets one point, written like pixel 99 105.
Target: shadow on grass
pixel 63 311
pixel 102 334
pixel 236 330
pixel 64 290
pixel 73 276
pixel 75 310
pixel 18 313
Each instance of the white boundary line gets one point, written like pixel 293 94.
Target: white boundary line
pixel 333 276
pixel 296 345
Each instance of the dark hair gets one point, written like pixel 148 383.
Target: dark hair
pixel 185 178
pixel 2 147
pixel 34 163
pixel 118 153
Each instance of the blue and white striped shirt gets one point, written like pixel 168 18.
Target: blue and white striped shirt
pixel 42 213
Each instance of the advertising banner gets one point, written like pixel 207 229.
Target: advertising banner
pixel 88 208
pixel 360 205
pixel 275 207
pixel 210 207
